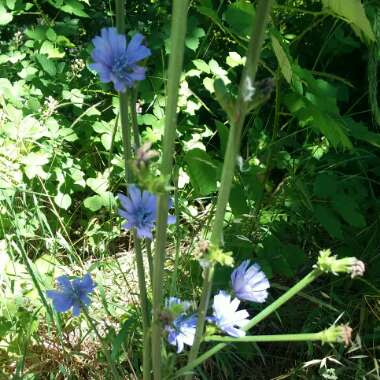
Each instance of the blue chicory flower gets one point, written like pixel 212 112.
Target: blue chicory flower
pixel 182 331
pixel 72 294
pixel 117 62
pixel 226 316
pixel 140 210
pixel 250 284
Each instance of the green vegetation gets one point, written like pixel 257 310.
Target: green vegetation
pixel 307 179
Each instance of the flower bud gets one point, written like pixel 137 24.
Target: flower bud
pixel 340 334
pixel 329 263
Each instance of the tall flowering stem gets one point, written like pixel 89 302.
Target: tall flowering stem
pixel 236 122
pixel 307 280
pixel 126 133
pixel 178 32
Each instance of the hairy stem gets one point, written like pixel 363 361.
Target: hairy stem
pixel 178 32
pixel 233 144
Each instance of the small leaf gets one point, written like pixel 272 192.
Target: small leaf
pixel 74 7
pixel 201 65
pixel 62 200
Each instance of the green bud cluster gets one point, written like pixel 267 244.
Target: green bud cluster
pixel 329 263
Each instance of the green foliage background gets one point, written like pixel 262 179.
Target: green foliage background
pixel 308 176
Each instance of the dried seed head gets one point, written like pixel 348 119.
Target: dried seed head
pixel 357 269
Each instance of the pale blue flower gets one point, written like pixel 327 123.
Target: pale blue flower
pixel 139 208
pixel 226 316
pixel 72 294
pixel 117 62
pixel 250 284
pixel 182 331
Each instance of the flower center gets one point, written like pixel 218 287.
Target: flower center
pixel 121 68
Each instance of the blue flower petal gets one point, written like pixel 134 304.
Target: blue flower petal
pixel 61 301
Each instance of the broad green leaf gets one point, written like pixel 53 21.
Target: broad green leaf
pixel 74 7
pixel 284 259
pixel 348 209
pixel 38 33
pixel 46 64
pixel 5 16
pixel 50 50
pixel 353 12
pixel 34 161
pixel 62 200
pixel 201 65
pixel 96 202
pixel 192 40
pixel 238 200
pixel 318 108
pixel 234 59
pixel 204 172
pixel 239 15
pixel 99 184
pixel 329 221
pixel 326 185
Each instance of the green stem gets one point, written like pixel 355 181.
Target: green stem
pixel 148 245
pixel 233 144
pixel 173 286
pixel 135 127
pixel 178 32
pixel 120 15
pixel 267 338
pixel 115 373
pixel 308 279
pixel 144 307
pixel 126 132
